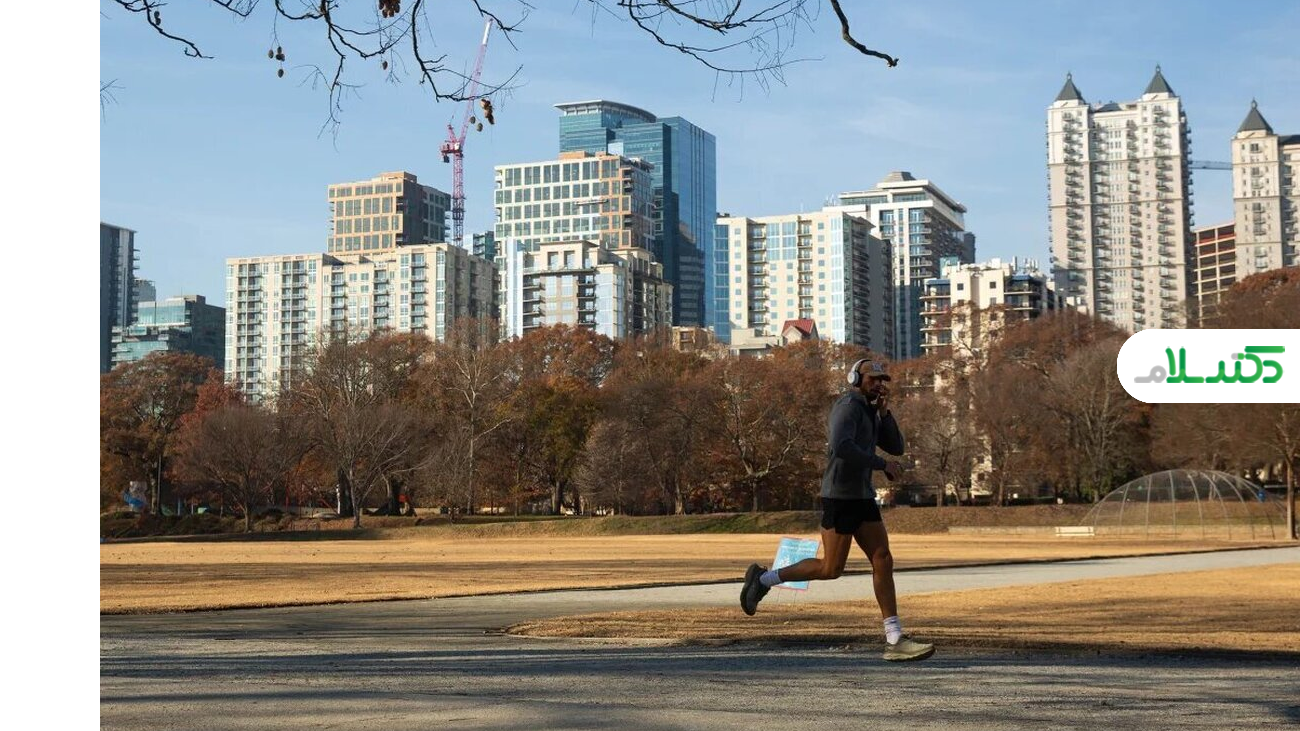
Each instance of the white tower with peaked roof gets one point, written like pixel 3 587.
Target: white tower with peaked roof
pixel 1266 196
pixel 1120 192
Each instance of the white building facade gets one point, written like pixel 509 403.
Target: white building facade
pixel 824 266
pixel 1266 196
pixel 280 308
pixel 618 293
pixel 923 225
pixel 1120 192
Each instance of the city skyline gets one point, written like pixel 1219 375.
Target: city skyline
pixel 976 127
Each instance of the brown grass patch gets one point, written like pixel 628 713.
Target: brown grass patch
pixel 160 576
pixel 1236 610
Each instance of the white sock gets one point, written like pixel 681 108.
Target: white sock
pixel 769 579
pixel 893 630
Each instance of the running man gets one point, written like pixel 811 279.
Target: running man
pixel 859 422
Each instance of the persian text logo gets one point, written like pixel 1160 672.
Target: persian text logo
pixel 1211 366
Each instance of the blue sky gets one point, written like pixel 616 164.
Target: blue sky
pixel 209 159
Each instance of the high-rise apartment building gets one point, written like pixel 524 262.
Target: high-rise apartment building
pixel 392 209
pixel 824 266
pixel 485 245
pixel 922 225
pixel 278 308
pixel 684 171
pixel 145 290
pixel 1214 268
pixel 969 303
pixel 117 294
pixel 177 324
pixel 1120 192
pixel 619 293
pixel 386 269
pixel 597 197
pixel 1266 196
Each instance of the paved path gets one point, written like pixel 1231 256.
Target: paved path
pixel 434 664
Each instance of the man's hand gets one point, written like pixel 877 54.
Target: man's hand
pixel 893 470
pixel 882 399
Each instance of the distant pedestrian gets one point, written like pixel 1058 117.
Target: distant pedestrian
pixel 859 422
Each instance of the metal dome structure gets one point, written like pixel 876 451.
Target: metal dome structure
pixel 1190 504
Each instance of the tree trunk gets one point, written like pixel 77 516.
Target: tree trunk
pixel 248 510
pixel 754 507
pixel 393 487
pixel 157 487
pixel 469 502
pixel 1290 501
pixel 344 494
pixel 557 496
pixel 514 495
pixel 356 504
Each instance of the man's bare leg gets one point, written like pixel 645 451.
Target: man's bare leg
pixel 873 539
pixel 835 552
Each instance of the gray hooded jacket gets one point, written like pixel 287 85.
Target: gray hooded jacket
pixel 855 429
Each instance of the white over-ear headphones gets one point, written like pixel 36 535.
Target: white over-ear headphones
pixel 855 378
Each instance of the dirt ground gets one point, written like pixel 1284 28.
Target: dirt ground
pixel 195 574
pixel 1234 610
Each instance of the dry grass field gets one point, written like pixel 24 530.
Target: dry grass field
pixel 161 576
pixel 1249 610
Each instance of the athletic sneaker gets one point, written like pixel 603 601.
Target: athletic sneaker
pixel 753 591
pixel 907 649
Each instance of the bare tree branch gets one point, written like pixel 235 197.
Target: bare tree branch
pixel 153 15
pixel 756 37
pixel 106 96
pixel 849 39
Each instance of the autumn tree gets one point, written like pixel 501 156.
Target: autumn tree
pixel 663 397
pixel 1080 429
pixel 355 420
pixel 941 440
pixel 466 385
pixel 141 407
pixel 767 415
pixel 1196 436
pixel 215 393
pixel 1096 423
pixel 1007 422
pixel 614 471
pixel 242 450
pixel 555 375
pixel 1268 433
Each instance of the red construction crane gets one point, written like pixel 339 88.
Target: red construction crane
pixel 453 150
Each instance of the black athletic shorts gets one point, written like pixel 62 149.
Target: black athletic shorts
pixel 846 515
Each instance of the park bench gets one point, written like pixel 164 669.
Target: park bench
pixel 1074 531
